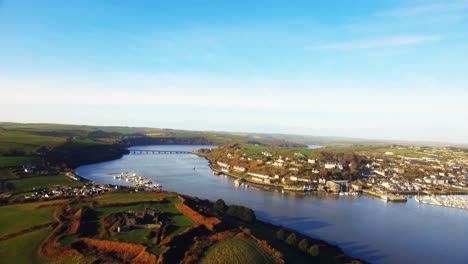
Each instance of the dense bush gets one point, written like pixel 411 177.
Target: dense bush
pixel 281 234
pixel 314 250
pixel 220 205
pixel 292 239
pixel 304 245
pixel 241 212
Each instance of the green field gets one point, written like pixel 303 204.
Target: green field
pixel 253 150
pixel 18 161
pixel 11 146
pixel 116 197
pixel 15 218
pixel 236 251
pixel 23 248
pixel 28 184
pixel 26 142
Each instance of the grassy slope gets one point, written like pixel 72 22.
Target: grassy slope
pixel 23 248
pixel 26 142
pixel 18 161
pixel 111 198
pixel 15 218
pixel 252 150
pixel 236 251
pixel 28 184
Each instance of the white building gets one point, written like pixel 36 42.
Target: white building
pixel 258 175
pixel 378 172
pixel 222 164
pixel 239 169
pixel 333 165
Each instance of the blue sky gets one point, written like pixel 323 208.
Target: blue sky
pixel 383 69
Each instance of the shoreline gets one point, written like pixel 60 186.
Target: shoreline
pixel 233 175
pixel 329 245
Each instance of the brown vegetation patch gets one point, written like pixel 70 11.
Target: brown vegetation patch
pixel 209 222
pixel 115 251
pixel 69 223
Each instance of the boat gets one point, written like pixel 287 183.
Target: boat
pixel 384 197
pixel 138 180
pixel 237 182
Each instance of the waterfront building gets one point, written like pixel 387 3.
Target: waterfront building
pixel 222 164
pixel 239 169
pixel 333 186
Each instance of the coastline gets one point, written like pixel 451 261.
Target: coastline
pixel 337 251
pixel 234 175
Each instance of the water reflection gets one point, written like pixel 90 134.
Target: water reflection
pixel 364 227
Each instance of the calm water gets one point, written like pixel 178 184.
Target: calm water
pixel 364 227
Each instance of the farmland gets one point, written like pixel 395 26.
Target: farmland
pixel 18 161
pixel 35 183
pixel 112 198
pixel 110 226
pixel 24 248
pixel 18 217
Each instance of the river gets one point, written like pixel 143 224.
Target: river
pixel 364 227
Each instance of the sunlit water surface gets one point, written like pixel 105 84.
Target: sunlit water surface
pixel 363 227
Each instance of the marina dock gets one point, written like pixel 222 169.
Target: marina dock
pixel 386 197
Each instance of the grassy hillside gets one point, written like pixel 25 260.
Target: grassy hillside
pixel 236 251
pixel 35 183
pixel 85 230
pixel 24 248
pixel 15 218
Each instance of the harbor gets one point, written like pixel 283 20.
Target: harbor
pixel 138 180
pixel 453 201
pixel 317 213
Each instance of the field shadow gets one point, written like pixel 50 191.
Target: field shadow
pixel 89 224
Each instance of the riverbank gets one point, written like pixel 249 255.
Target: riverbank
pixel 243 177
pixel 263 225
pixel 315 214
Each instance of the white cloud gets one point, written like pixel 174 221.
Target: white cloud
pixel 387 42
pixel 430 8
pixel 209 102
pixel 189 90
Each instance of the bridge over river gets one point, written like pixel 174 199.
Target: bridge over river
pixel 157 151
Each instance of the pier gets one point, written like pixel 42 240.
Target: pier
pixel 156 151
pixel 387 197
